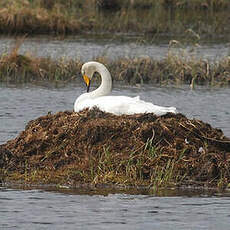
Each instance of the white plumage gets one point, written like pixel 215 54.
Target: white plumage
pixel 112 104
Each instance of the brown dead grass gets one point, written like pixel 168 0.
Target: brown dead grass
pixel 74 17
pixel 173 69
pixel 22 17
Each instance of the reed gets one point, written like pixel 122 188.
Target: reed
pixel 74 17
pixel 30 18
pixel 176 68
pixel 18 68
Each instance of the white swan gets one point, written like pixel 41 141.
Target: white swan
pixel 112 104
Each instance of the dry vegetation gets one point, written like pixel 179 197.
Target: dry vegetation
pixel 26 17
pixel 149 17
pixel 173 69
pixel 92 147
pixel 18 68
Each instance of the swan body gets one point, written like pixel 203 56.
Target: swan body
pixel 112 104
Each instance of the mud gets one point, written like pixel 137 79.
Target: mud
pixel 93 147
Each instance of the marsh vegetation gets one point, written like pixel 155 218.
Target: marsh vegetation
pixel 175 68
pixel 209 18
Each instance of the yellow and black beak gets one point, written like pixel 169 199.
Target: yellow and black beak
pixel 87 82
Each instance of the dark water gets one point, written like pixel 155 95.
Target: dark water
pixel 40 209
pixel 43 209
pixel 87 48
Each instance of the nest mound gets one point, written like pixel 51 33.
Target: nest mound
pixel 101 148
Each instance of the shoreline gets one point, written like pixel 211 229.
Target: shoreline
pixel 111 188
pixel 176 68
pixel 74 17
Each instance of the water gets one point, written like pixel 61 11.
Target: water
pixel 75 209
pixel 40 209
pixel 87 48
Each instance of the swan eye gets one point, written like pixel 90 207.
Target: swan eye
pixel 83 72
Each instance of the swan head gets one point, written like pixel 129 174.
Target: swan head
pixel 87 72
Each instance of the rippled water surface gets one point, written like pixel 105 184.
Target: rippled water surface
pixel 39 209
pixel 87 48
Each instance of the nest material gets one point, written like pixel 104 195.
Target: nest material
pixel 107 144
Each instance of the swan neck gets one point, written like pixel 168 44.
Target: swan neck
pixel 106 81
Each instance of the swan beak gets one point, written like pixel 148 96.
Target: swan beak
pixel 87 82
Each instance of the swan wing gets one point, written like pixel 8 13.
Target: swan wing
pixel 124 105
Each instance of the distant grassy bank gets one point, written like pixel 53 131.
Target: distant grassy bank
pixel 100 16
pixel 181 68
